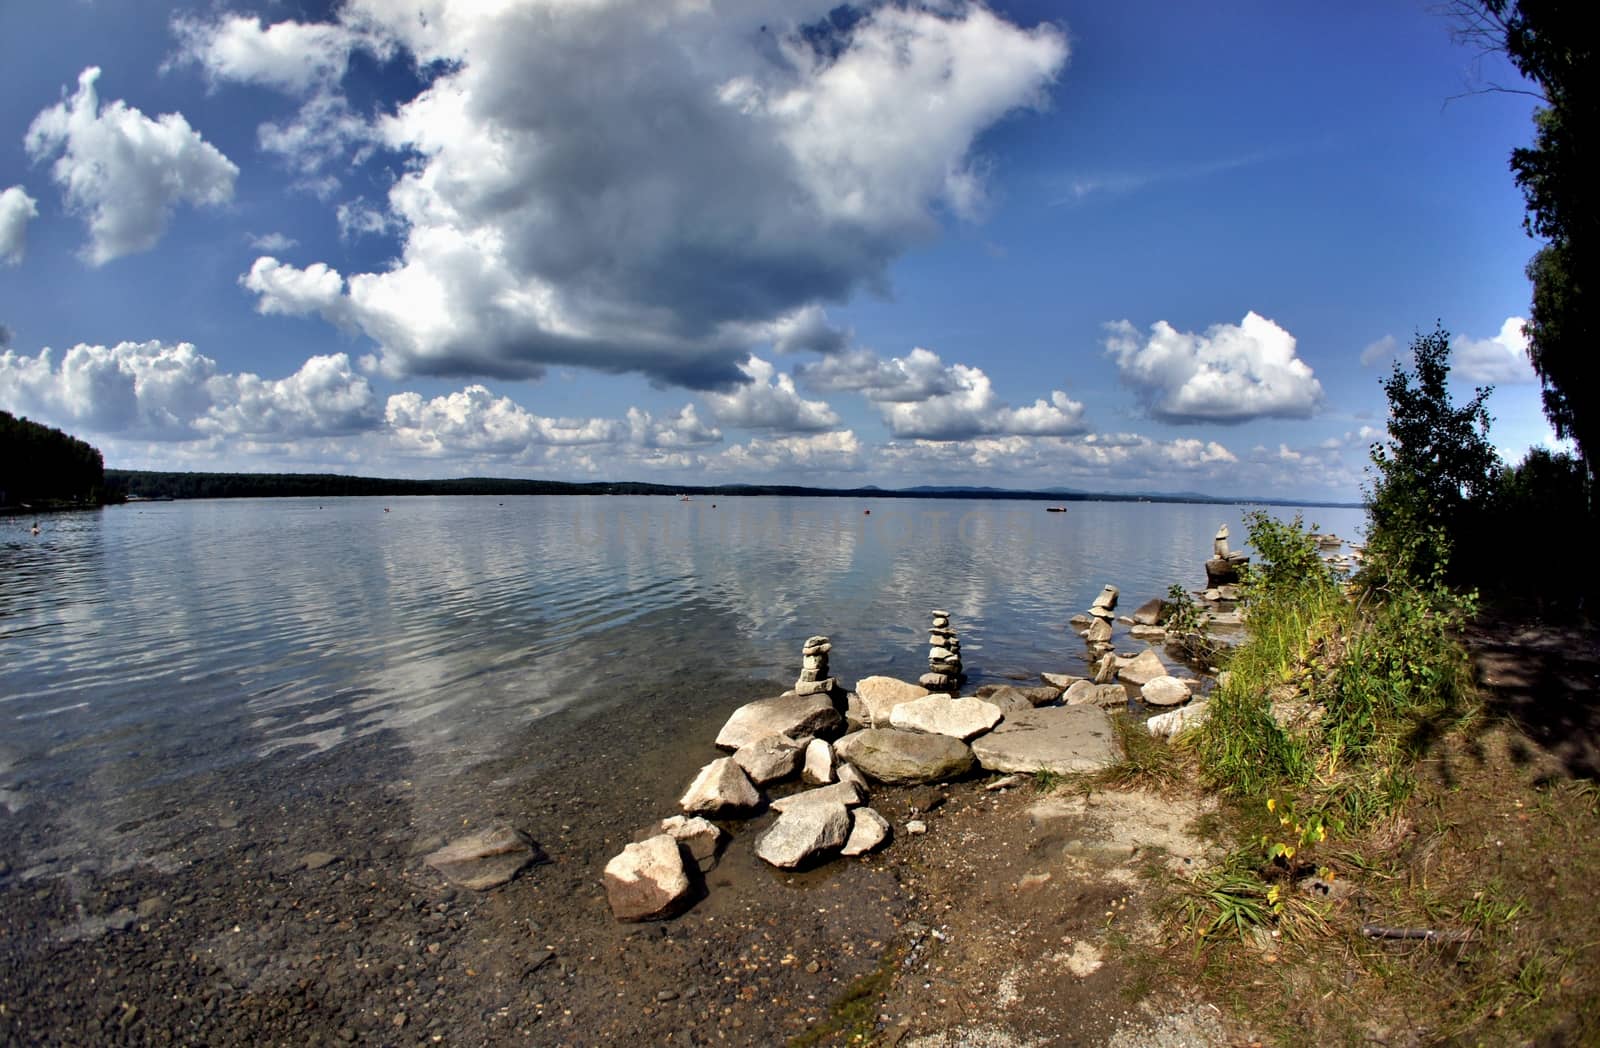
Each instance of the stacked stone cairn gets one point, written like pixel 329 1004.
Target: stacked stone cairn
pixel 1102 613
pixel 814 679
pixel 1222 570
pixel 796 758
pixel 944 656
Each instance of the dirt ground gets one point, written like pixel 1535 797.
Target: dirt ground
pixel 1037 914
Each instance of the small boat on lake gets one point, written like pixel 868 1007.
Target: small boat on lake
pixel 1055 509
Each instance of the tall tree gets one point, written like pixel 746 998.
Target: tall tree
pixel 1436 470
pixel 1552 45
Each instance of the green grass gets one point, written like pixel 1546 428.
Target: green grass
pixel 1147 763
pixel 853 1017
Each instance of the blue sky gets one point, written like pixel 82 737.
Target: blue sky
pixel 1116 247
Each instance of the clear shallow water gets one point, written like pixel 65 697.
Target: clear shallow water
pixel 145 645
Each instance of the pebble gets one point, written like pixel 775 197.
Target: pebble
pixel 916 826
pixel 317 860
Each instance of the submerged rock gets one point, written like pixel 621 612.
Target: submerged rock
pixel 1061 739
pixel 486 859
pixel 648 880
pixel 792 715
pixel 803 833
pixel 905 757
pixel 941 715
pixel 721 786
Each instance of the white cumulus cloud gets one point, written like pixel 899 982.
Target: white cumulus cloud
pixel 17 209
pixel 290 56
pixel 920 396
pixel 1502 360
pixel 1379 350
pixel 754 162
pixel 290 290
pixel 124 172
pixel 683 430
pixel 475 420
pixel 1230 373
pixel 768 400
pixel 918 375
pixel 154 391
pixel 835 452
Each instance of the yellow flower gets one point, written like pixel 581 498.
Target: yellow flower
pixel 1272 804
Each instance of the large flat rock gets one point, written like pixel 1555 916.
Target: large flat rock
pixel 1061 739
pixel 905 757
pixel 941 715
pixel 793 715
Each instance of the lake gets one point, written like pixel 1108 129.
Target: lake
pixel 152 647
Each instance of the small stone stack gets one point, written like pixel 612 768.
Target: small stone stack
pixel 1223 567
pixel 814 679
pixel 944 656
pixel 1103 613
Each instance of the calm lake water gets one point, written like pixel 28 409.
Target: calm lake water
pixel 144 645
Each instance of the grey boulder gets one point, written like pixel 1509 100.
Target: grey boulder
pixel 1106 696
pixel 868 830
pixel 720 786
pixel 648 880
pixel 803 833
pixel 769 758
pixel 1143 668
pixel 880 695
pixel 905 757
pixel 1165 691
pixel 792 715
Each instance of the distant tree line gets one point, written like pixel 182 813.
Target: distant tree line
pixel 41 465
pixel 156 484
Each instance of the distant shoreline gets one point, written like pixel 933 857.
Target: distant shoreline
pixel 140 485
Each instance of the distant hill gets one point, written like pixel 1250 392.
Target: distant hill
pixel 151 484
pixel 42 467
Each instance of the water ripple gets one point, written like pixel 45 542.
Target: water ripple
pixel 145 643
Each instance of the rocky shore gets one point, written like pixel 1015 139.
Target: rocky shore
pixel 633 889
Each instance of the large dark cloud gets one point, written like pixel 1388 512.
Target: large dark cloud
pixel 655 189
